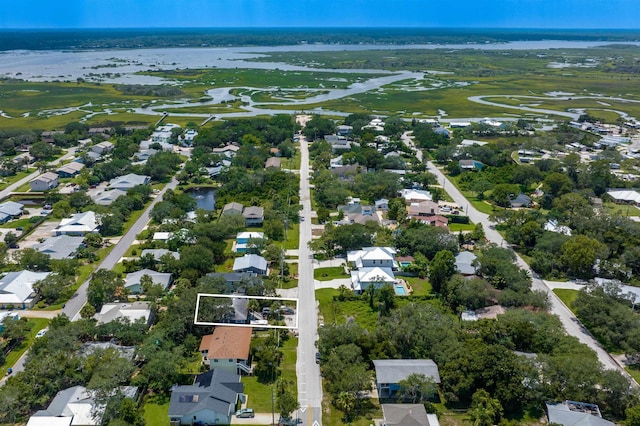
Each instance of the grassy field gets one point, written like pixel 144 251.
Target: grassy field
pixel 328 274
pixel 156 410
pixel 457 227
pixel 567 296
pixel 420 286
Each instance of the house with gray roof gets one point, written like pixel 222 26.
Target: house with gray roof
pixel 60 247
pixel 232 208
pixel 129 181
pixel 212 399
pixel 464 263
pixel 102 148
pixel 16 289
pixel 158 253
pixel 127 311
pixel 253 215
pixel 10 210
pixel 572 413
pixel 233 278
pixel 250 263
pixel 390 372
pixel 133 280
pixel 522 200
pixel 44 182
pixel 90 348
pixel 106 198
pixel 408 415
pixel 70 169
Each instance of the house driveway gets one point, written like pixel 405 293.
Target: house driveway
pixel 259 419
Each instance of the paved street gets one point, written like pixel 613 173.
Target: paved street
pixel 75 304
pixel 309 381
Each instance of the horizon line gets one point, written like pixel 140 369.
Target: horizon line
pixel 307 28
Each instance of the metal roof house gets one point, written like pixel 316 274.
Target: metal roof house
pixel 78 224
pixel 60 247
pixel 130 311
pixel 106 198
pixel 16 289
pixel 210 400
pixel 10 210
pixel 389 372
pixel 571 413
pixel 408 415
pixel 133 280
pixel 129 181
pixel 44 182
pixel 251 263
pixel 158 253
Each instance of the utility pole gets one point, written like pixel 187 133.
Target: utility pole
pixel 273 412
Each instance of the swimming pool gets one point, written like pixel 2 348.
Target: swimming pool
pixel 400 291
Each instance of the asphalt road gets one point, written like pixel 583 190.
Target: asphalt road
pixel 75 304
pixel 571 324
pixel 309 381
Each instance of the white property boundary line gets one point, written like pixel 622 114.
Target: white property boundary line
pixel 235 296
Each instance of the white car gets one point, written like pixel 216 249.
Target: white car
pixel 42 332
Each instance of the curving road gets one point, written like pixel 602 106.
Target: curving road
pixel 571 324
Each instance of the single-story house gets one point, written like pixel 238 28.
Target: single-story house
pixel 243 238
pixel 253 216
pixel 572 413
pixel 415 195
pixel 131 311
pixel 408 415
pixel 382 204
pixel 126 182
pixel 75 406
pixel 250 263
pixel 274 162
pixel 10 210
pixel 390 372
pixel 435 220
pixel 624 196
pixel 228 151
pixel 227 349
pixel 16 289
pixel 349 209
pixel 370 257
pixel 470 165
pixel 158 253
pixel 232 208
pixel 72 406
pixel 60 247
pixel 521 200
pixel 70 169
pixel 344 130
pixel 233 278
pixel 377 277
pixel 211 400
pixel 44 182
pixel 464 263
pixel 161 236
pixel 106 198
pixel 423 208
pixel 102 148
pixel 164 146
pixel 78 224
pixel 133 280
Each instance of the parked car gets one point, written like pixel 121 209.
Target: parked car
pixel 42 332
pixel 317 357
pixel 286 310
pixel 245 413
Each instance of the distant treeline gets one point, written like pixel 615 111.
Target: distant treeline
pixel 205 37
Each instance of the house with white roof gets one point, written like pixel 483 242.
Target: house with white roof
pixel 60 247
pixel 131 311
pixel 102 148
pixel 126 182
pixel 133 281
pixel 163 133
pixel 624 196
pixel 370 257
pixel 79 224
pixel 106 198
pixel 151 144
pixel 159 253
pixel 376 277
pixel 465 263
pixel 250 263
pixel 243 240
pixel 16 289
pixel 228 151
pixel 415 195
pixel 552 226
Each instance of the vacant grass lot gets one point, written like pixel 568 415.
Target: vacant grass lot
pixel 156 410
pixel 567 296
pixel 328 274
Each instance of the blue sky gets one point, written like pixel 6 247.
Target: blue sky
pixel 320 13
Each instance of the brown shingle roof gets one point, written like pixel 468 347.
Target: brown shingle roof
pixel 227 343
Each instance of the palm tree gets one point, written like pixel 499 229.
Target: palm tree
pixel 345 402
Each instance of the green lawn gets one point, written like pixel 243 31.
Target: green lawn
pixel 338 312
pixel 420 286
pixel 293 237
pixel 621 210
pixel 567 296
pixel 20 223
pixel 37 324
pixel 328 274
pixel 156 411
pixel 457 227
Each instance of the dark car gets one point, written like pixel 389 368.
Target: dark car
pixel 317 357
